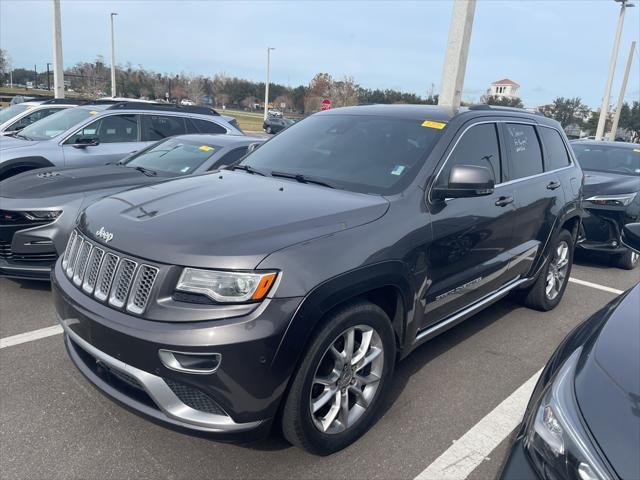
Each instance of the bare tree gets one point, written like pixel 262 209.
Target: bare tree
pixel 194 88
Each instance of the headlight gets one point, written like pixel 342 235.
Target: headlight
pixel 622 200
pixel 556 440
pixel 37 215
pixel 227 287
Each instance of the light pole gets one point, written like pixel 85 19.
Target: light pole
pixel 113 58
pixel 623 88
pixel 266 85
pixel 604 109
pixel 58 71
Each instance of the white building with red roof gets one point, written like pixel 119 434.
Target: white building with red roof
pixel 504 88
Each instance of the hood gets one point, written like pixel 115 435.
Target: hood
pixel 228 220
pixel 602 183
pixel 7 143
pixel 52 182
pixel 608 386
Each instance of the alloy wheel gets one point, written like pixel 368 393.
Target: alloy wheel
pixel 557 273
pixel 347 379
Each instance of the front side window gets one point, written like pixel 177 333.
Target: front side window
pixel 231 158
pixel 32 118
pixel 176 156
pixel 157 127
pixel 55 124
pixel 478 146
pixel 525 154
pixel 556 153
pixel 608 158
pixel 362 153
pixel 110 129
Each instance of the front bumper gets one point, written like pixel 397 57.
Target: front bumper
pixel 517 465
pixel 601 229
pixel 118 353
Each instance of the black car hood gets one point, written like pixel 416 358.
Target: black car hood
pixel 51 182
pixel 608 386
pixel 226 220
pixel 603 183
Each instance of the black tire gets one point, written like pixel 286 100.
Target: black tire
pixel 297 423
pixel 535 296
pixel 269 131
pixel 627 260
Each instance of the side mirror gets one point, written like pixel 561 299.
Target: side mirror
pixel 630 236
pixel 467 181
pixel 253 146
pixel 84 142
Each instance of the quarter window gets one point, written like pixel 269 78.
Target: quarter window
pixel 205 126
pixel 478 146
pixel 157 127
pixel 525 154
pixel 110 129
pixel 555 150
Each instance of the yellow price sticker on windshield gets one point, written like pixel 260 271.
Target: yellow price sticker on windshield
pixel 430 124
pixel 205 148
pixel 93 112
pixel 637 150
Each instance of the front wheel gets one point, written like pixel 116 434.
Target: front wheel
pixel 342 380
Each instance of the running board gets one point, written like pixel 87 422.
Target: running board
pixel 462 315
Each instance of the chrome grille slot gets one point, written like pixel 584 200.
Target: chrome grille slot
pixel 105 277
pixel 81 264
pixel 67 251
pixel 141 288
pixel 93 267
pixel 122 282
pixel 73 255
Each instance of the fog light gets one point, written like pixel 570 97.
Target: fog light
pixel 190 362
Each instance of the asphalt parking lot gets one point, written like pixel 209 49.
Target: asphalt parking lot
pixel 54 424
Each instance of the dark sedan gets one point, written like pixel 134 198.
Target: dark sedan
pixel 612 196
pixel 38 208
pixel 583 420
pixel 276 124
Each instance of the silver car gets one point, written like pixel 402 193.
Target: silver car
pixel 16 117
pixel 100 133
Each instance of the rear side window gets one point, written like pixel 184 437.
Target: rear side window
pixel 478 146
pixel 556 155
pixel 157 127
pixel 525 154
pixel 208 127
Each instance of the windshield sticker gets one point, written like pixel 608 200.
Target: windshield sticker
pixel 93 112
pixel 184 170
pixel 637 150
pixel 397 170
pixel 205 148
pixel 436 125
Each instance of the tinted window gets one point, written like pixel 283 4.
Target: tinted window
pixel 525 156
pixel 56 124
pixel 157 127
pixel 478 146
pixel 110 129
pixel 556 153
pixel 231 158
pixel 208 127
pixel 33 117
pixel 363 153
pixel 174 155
pixel 607 158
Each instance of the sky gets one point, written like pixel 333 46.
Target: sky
pixel 550 47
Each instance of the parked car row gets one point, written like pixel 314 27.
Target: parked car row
pixel 281 289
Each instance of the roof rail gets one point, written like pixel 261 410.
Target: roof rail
pixel 484 106
pixel 160 107
pixel 64 101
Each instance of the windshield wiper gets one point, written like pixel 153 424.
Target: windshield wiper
pixel 302 178
pixel 245 168
pixel 148 172
pixel 19 135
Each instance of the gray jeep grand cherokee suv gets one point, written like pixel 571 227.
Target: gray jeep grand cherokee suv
pixel 285 289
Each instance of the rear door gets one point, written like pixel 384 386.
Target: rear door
pixel 538 189
pixel 472 237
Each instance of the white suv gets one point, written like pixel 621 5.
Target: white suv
pixel 16 117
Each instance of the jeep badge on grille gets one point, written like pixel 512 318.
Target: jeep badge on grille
pixel 105 235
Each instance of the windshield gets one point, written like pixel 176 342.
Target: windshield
pixel 361 153
pixel 174 155
pixel 609 158
pixel 10 112
pixel 55 124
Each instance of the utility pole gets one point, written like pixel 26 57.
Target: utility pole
pixel 604 108
pixel 58 71
pixel 48 77
pixel 623 88
pixel 266 85
pixel 113 58
pixel 455 61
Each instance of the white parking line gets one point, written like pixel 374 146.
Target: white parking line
pixel 30 336
pixel 470 450
pixel 596 286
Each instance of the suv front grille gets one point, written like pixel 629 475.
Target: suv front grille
pixel 119 281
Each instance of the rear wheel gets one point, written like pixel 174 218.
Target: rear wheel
pixel 628 260
pixel 545 294
pixel 342 380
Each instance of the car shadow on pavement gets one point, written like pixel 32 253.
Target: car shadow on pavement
pixel 593 259
pixel 32 284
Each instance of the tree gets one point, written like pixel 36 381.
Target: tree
pixel 504 101
pixel 344 93
pixel 591 124
pixel 567 111
pixel 631 120
pixel 5 66
pixel 194 88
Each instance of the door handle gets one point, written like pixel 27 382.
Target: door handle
pixel 504 201
pixel 553 185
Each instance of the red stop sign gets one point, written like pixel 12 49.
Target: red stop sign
pixel 326 104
